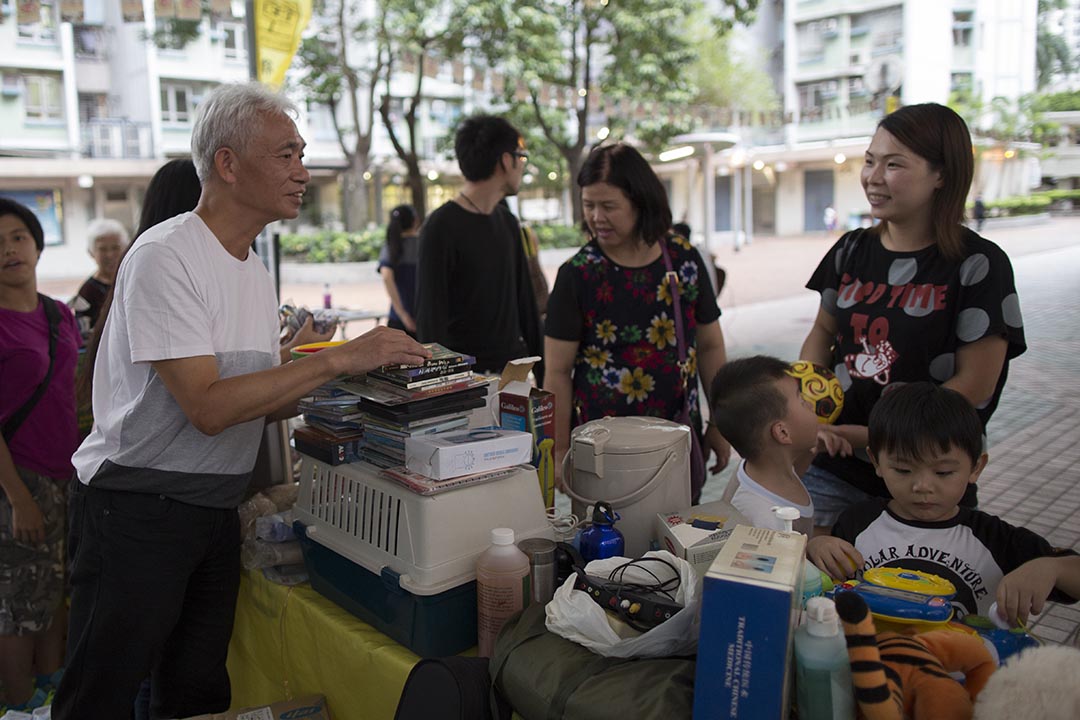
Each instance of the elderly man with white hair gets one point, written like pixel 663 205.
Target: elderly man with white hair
pixel 187 373
pixel 106 240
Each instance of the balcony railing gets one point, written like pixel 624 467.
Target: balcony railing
pixel 116 138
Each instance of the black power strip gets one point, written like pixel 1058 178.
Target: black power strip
pixel 644 609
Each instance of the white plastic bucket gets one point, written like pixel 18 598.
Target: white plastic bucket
pixel 638 464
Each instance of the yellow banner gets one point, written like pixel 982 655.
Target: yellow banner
pixel 132 10
pixel 278 24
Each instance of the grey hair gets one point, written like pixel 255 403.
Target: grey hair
pixel 229 116
pixel 102 227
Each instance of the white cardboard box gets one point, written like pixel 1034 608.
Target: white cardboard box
pixel 697 534
pixel 751 599
pixel 451 454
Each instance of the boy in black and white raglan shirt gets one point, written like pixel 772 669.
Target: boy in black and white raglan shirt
pixel 926 444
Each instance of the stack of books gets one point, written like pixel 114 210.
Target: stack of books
pixel 333 409
pixel 396 402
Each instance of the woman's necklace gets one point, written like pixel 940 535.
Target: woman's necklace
pixel 469 200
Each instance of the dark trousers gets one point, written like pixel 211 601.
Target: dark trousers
pixel 154 586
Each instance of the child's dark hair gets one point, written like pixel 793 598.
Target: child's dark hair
pixel 480 143
pixel 402 218
pixel 625 168
pixel 917 420
pixel 745 400
pixel 29 219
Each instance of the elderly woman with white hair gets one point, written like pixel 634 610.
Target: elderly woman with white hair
pixel 106 240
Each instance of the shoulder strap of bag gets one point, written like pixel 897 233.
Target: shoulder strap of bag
pixel 680 339
pixel 52 313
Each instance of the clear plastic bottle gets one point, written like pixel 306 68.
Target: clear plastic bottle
pixel 326 299
pixel 502 587
pixel 822 668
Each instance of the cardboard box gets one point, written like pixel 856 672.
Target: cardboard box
pixel 312 707
pixel 697 534
pixel 750 607
pixel 451 454
pixel 525 408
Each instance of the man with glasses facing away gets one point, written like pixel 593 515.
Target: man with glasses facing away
pixel 474 294
pixel 187 374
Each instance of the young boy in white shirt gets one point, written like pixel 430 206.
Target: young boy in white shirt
pixel 926 444
pixel 758 408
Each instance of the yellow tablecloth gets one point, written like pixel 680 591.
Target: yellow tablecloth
pixel 290 642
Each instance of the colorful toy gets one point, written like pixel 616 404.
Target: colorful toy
pixel 897 676
pixel 897 596
pixel 820 388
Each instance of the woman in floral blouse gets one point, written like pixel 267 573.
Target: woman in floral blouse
pixel 610 343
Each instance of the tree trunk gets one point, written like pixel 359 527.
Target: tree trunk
pixel 355 196
pixel 574 160
pixel 417 186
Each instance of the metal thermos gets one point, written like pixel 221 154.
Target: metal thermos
pixel 602 540
pixel 541 552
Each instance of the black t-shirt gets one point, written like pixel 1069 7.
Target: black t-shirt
pixel 901 316
pixel 404 273
pixel 623 321
pixel 473 292
pixel 87 304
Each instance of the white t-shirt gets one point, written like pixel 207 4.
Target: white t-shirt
pixel 179 294
pixel 756 503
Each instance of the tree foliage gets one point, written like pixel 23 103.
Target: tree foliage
pixel 1052 55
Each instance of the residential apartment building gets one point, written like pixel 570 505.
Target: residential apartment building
pixel 90 109
pixel 846 63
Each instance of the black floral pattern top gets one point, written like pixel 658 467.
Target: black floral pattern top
pixel 624 323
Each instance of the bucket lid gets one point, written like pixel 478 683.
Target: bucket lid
pixel 629 435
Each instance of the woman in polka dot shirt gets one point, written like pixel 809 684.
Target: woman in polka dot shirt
pixel 917 297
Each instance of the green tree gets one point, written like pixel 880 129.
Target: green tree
pixel 1052 56
pixel 341 63
pixel 578 65
pixel 723 78
pixel 417 33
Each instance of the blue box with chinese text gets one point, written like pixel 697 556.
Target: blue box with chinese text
pixel 750 608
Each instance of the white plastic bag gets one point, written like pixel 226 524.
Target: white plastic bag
pixel 574 615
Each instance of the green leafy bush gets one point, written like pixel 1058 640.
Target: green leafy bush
pixel 333 246
pixel 559 236
pixel 1021 205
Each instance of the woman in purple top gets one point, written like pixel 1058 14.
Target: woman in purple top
pixel 35 464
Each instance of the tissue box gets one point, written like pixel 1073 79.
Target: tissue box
pixel 442 456
pixel 697 534
pixel 750 606
pixel 527 409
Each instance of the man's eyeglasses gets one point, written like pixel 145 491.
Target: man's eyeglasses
pixel 524 156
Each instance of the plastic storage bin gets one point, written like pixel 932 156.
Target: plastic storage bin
pixel 403 562
pixel 429 625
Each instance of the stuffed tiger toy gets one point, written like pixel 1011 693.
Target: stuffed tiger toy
pixel 899 676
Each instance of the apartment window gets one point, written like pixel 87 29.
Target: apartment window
pixel 814 99
pixel 43 98
pixel 811 41
pixel 235 40
pixel 44 30
pixel 93 106
pixel 176 103
pixel 962 28
pixel 89 42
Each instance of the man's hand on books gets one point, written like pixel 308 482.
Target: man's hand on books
pixel 378 347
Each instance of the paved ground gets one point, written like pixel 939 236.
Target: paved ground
pixel 1033 478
